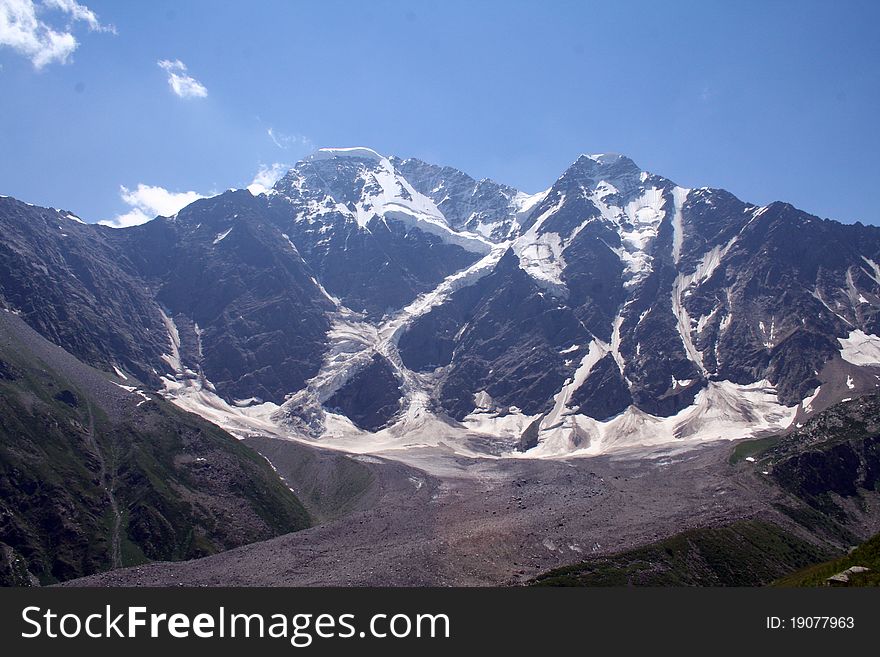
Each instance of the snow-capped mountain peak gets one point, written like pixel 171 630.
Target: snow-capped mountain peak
pixel 364 186
pixel 618 173
pixel 605 192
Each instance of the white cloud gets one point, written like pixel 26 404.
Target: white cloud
pixel 267 176
pixel 23 28
pixel 78 12
pixel 182 84
pixel 147 202
pixel 284 141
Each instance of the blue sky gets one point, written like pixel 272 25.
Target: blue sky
pixel 771 100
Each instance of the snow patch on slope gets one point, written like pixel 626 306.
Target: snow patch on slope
pixel 222 236
pixel 506 226
pixel 561 417
pixel 197 395
pixel 875 270
pixel 860 348
pixel 540 253
pixel 353 343
pixel 721 411
pixel 680 288
pixel 437 226
pixel 172 359
pixel 679 195
pixel 507 424
pixel 541 258
pixel 638 224
pixel 807 403
pixel 524 203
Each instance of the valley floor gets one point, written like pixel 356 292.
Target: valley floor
pixel 445 520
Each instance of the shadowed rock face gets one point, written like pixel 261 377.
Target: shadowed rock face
pixel 249 314
pixel 76 286
pixel 371 398
pixel 605 393
pixel 245 309
pixel 507 337
pixel 378 270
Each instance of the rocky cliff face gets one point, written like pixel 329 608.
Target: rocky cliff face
pixel 76 287
pixel 242 309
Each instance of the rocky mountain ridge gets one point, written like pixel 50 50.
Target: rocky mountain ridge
pixel 372 303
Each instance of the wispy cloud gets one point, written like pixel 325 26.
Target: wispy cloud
pixel 267 176
pixel 284 141
pixel 23 28
pixel 147 202
pixel 78 12
pixel 181 83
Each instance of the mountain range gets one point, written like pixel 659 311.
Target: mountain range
pixel 372 303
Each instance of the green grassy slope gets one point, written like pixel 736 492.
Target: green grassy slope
pixel 744 553
pixel 90 480
pixel 867 555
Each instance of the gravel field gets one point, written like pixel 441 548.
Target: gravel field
pixel 443 520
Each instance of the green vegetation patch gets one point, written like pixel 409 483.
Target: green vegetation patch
pixel 754 448
pixel 744 553
pixel 866 555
